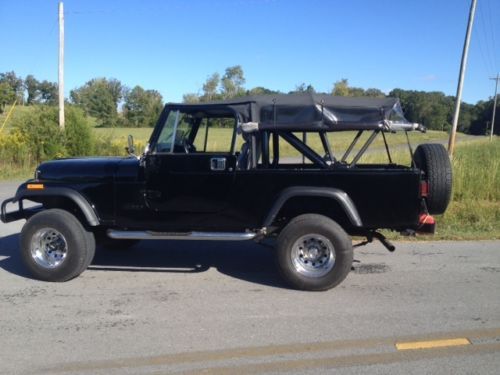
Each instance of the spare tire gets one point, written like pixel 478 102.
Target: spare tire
pixel 434 162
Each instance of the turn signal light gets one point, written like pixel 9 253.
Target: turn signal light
pixel 35 187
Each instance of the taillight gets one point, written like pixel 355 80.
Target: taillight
pixel 424 189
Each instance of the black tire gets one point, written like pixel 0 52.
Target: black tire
pixel 71 238
pixel 327 237
pixel 434 161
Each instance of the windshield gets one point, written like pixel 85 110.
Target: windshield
pixel 176 124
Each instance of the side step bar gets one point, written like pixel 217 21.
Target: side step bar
pixel 201 236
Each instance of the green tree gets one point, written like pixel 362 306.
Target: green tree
pixel 374 93
pixel 7 95
pixel 341 88
pixel 432 109
pixel 78 136
pixel 99 98
pixel 356 91
pixel 259 90
pixel 466 118
pixel 210 88
pixel 191 98
pixel 301 88
pixel 142 107
pixel 32 89
pixel 481 123
pixel 15 83
pixel 217 88
pixel 48 92
pixel 116 89
pixel 232 82
pixel 40 92
pixel 39 129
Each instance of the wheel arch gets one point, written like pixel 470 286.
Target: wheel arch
pixel 340 197
pixel 64 198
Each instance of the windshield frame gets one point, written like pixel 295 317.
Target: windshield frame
pixel 182 109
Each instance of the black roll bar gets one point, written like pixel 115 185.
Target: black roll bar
pixel 303 148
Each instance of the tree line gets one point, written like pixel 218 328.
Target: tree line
pixel 107 100
pixel 113 104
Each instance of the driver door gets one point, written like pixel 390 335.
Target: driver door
pixel 190 170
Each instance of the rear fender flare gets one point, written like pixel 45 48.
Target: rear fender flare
pixel 338 195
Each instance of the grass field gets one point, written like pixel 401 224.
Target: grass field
pixel 339 141
pixel 474 212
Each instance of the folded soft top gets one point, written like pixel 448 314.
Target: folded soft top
pixel 311 112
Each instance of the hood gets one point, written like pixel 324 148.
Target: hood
pixel 80 169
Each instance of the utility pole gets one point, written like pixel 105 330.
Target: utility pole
pixel 494 106
pixel 463 66
pixel 61 65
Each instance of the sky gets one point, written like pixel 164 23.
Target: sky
pixel 172 46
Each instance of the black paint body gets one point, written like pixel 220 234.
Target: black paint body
pixel 179 192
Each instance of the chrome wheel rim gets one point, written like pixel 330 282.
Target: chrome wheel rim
pixel 313 255
pixel 48 248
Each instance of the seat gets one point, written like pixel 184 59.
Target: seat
pixel 242 163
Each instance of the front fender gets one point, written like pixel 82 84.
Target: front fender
pixel 23 192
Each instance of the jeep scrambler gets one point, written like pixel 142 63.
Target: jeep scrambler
pixel 188 185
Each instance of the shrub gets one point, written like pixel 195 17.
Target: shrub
pixel 39 130
pixel 36 134
pixel 78 133
pixel 107 146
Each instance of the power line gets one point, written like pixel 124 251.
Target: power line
pixel 486 40
pixel 483 58
pixel 492 34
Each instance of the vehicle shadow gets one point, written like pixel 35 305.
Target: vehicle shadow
pixel 242 260
pixel 9 248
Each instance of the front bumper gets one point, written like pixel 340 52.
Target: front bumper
pixel 20 213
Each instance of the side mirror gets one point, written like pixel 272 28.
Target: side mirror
pixel 130 148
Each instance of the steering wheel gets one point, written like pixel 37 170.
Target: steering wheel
pixel 188 147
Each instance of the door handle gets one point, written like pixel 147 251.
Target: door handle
pixel 218 164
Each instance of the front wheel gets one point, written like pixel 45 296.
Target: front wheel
pixel 314 253
pixel 55 246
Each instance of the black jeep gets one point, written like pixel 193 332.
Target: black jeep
pixel 215 171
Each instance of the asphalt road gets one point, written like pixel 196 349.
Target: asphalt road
pixel 166 307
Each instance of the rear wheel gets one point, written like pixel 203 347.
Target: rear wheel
pixel 314 253
pixel 434 161
pixel 55 246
